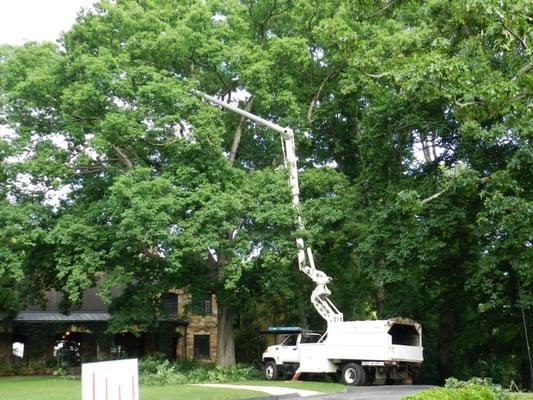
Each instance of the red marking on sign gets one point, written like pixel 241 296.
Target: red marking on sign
pixel 119 395
pixel 94 387
pixel 132 388
pixel 106 388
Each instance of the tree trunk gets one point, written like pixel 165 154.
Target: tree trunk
pixel 225 337
pixel 301 315
pixel 447 328
pixel 380 286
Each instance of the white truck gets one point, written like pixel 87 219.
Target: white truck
pixel 354 352
pixel 359 351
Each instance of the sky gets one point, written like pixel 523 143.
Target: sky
pixel 37 20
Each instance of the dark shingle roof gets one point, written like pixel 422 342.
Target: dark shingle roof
pixel 50 316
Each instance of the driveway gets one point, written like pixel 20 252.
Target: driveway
pixel 351 393
pixel 369 393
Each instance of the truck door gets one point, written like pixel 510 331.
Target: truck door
pixel 289 350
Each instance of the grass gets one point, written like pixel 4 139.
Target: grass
pixel 49 388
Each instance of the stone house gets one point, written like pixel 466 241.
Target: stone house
pixel 49 338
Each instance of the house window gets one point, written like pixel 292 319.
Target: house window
pixel 202 305
pixel 169 304
pixel 201 346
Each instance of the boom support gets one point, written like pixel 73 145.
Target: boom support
pixel 320 296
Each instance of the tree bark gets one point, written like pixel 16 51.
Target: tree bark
pixel 225 337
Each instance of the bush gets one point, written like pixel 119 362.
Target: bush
pixel 163 373
pixel 497 390
pixel 473 389
pixel 472 392
pixel 156 371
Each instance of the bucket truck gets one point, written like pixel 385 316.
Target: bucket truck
pixel 357 352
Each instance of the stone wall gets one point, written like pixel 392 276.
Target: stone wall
pixel 198 325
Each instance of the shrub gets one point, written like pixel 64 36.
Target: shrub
pixel 499 392
pixel 163 373
pixel 155 371
pixel 472 392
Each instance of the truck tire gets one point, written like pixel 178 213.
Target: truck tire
pixel 353 374
pixel 270 370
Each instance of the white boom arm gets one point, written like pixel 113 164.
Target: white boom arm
pixel 320 296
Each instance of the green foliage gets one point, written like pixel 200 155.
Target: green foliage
pixel 499 393
pixel 474 388
pixel 471 392
pixel 156 371
pixel 422 110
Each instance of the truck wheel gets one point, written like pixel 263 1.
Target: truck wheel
pixel 270 370
pixel 353 374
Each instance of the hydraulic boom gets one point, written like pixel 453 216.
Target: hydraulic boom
pixel 320 296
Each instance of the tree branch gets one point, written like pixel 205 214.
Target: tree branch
pixel 123 157
pixel 525 69
pixel 317 96
pixel 238 132
pixel 378 76
pixel 438 194
pixel 433 196
pixel 162 144
pixel 518 38
pixel 381 11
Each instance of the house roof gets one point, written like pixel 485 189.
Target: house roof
pixel 91 309
pixel 90 301
pixel 56 316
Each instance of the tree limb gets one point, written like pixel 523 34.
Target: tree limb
pixel 123 157
pixel 378 76
pixel 518 38
pixel 317 96
pixel 238 132
pixel 162 144
pixel 433 196
pixel 525 69
pixel 381 11
pixel 438 194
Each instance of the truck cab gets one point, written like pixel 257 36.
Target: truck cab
pixel 283 358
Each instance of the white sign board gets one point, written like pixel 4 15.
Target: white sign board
pixel 110 380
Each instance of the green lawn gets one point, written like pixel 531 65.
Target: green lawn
pixel 48 388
